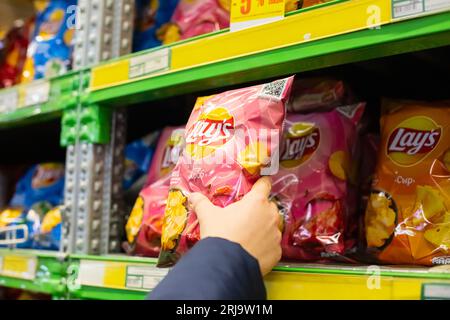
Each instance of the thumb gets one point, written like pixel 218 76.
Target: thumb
pixel 201 205
pixel 262 187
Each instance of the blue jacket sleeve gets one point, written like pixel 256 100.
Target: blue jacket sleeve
pixel 214 269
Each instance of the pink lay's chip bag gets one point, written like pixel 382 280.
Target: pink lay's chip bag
pixel 312 185
pixel 196 17
pixel 144 224
pixel 231 140
pixel 166 153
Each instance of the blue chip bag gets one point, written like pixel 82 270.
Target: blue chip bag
pixel 50 51
pixel 38 192
pixel 152 17
pixel 138 157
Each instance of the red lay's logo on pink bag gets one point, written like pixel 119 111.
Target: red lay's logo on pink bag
pixel 213 128
pixel 299 144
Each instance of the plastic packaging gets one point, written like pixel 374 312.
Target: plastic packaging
pixel 138 157
pixel 15 50
pixel 50 51
pixel 37 192
pixel 231 140
pixel 407 220
pixel 313 185
pixel 318 93
pixel 196 17
pixel 144 225
pixel 152 18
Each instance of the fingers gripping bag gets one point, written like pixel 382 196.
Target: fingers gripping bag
pixel 407 220
pixel 231 140
pixel 314 183
pixel 196 17
pixel 144 225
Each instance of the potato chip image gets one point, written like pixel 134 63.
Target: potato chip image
pixel 174 220
pixel 439 236
pixel 254 157
pixel 380 220
pixel 339 164
pixel 135 220
pixel 429 201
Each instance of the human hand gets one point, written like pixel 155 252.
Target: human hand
pixel 252 222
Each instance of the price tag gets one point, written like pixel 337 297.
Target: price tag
pixel 149 63
pixel 34 93
pixel 19 267
pixel 119 275
pixel 434 291
pixel 144 277
pixel 410 8
pixel 8 100
pixel 249 13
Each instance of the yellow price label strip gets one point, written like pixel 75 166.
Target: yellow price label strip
pixel 248 13
pixel 22 267
pixel 119 275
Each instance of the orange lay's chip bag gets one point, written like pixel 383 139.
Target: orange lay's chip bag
pixel 407 220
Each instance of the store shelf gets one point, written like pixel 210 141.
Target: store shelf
pixel 37 271
pixel 38 100
pixel 118 277
pixel 114 277
pixel 324 37
pixel 309 281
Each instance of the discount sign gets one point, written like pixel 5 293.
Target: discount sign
pixel 249 13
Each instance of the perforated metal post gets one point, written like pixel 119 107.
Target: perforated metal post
pixel 94 171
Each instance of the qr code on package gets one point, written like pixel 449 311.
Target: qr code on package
pixel 273 90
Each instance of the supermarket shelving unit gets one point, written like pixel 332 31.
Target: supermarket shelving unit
pixel 93 130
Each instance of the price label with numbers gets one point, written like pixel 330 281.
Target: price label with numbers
pixel 436 291
pixel 144 277
pixel 249 13
pixel 34 93
pixel 411 8
pixel 8 100
pixel 149 63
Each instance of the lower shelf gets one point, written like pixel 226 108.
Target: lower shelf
pixel 120 277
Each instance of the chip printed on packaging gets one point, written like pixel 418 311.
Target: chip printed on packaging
pixel 231 139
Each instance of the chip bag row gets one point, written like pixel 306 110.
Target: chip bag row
pixel 144 225
pixel 407 220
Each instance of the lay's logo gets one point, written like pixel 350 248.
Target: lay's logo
pixel 412 140
pixel 212 129
pixel 300 143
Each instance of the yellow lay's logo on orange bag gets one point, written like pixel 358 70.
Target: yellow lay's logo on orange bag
pixel 212 130
pixel 407 219
pixel 412 140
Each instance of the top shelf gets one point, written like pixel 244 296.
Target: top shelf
pixel 332 34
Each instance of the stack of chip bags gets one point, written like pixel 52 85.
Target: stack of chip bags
pixel 231 140
pixel 407 220
pixel 144 225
